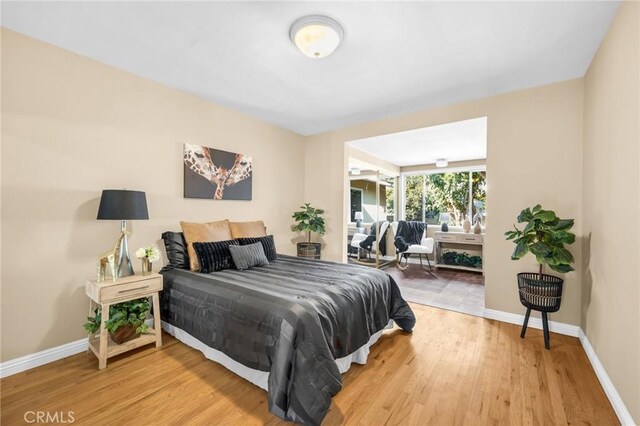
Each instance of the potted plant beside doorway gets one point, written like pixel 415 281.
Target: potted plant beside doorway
pixel 544 235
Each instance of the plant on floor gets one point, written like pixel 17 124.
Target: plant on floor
pixel 544 235
pixel 131 314
pixel 309 220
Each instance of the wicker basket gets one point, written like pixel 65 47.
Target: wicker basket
pixel 540 293
pixel 125 333
pixel 309 250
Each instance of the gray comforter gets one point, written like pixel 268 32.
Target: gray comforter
pixel 292 318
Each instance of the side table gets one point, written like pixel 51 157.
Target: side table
pixel 107 293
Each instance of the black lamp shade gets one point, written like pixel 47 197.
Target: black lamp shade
pixel 120 204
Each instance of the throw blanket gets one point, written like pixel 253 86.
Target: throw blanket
pixel 292 318
pixel 409 232
pixel 367 243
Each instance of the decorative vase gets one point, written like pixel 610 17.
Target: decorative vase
pixel 477 229
pixel 466 226
pixel 146 266
pixel 444 227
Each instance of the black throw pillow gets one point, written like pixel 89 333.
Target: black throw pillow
pixel 268 244
pixel 214 256
pixel 176 248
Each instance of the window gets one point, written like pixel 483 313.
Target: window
pixel 461 194
pixel 356 202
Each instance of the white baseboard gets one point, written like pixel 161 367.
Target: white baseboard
pixel 37 359
pixel 27 362
pixel 556 327
pixel 609 389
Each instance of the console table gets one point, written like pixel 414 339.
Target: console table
pixel 469 243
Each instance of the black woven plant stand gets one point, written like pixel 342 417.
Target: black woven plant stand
pixel 541 293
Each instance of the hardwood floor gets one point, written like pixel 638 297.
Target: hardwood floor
pixel 454 369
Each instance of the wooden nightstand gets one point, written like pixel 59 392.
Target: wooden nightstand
pixel 109 293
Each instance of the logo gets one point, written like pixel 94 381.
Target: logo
pixel 43 417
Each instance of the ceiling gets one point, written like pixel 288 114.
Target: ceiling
pixel 396 57
pixel 458 141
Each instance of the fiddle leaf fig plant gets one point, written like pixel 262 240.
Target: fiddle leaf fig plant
pixel 309 220
pixel 544 235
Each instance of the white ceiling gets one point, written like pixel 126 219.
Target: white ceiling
pixel 458 141
pixel 396 57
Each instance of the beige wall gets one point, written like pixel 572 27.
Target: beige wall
pixel 611 205
pixel 534 155
pixel 72 127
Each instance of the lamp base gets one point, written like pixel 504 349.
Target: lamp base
pixel 125 268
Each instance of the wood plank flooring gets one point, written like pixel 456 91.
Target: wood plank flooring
pixel 454 369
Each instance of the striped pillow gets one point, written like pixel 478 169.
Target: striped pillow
pixel 267 242
pixel 214 256
pixel 248 256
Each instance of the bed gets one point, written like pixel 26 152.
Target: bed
pixel 291 327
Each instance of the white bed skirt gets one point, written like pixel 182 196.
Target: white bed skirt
pixel 257 377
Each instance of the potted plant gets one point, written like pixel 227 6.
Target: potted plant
pixel 309 220
pixel 126 320
pixel 544 235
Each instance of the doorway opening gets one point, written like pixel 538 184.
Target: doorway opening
pixel 430 181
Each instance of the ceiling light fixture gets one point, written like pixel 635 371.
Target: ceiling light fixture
pixel 442 162
pixel 316 36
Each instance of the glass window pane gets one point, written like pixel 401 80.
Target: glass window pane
pixel 390 195
pixel 414 203
pixel 356 202
pixel 479 197
pixel 449 193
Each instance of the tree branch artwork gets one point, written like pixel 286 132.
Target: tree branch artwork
pixel 200 160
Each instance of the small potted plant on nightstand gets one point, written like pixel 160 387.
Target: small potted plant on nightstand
pixel 544 235
pixel 309 220
pixel 126 320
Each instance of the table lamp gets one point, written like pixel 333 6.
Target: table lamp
pixel 123 205
pixel 444 220
pixel 358 216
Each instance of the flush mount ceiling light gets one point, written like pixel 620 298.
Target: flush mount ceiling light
pixel 316 36
pixel 442 162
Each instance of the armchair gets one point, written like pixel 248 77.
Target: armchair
pixel 424 248
pixel 358 238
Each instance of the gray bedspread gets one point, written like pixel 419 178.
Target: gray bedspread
pixel 292 318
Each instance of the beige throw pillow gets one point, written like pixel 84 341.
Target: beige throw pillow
pixel 248 229
pixel 202 233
